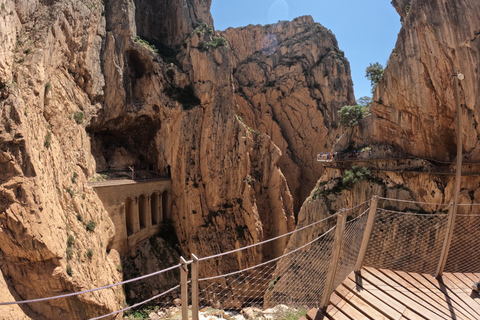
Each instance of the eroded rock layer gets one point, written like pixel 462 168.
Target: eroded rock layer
pixel 414 113
pixel 414 107
pixel 291 78
pixel 91 86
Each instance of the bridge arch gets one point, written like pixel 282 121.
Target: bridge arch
pixel 155 208
pixel 130 215
pixel 143 211
pixel 167 215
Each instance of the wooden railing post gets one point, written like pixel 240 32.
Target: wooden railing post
pixel 335 256
pixel 194 288
pixel 452 214
pixel 184 287
pixel 367 233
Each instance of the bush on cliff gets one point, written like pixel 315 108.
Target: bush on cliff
pixel 355 175
pixel 350 115
pixel 374 73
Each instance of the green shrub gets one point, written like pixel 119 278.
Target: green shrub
pixel 355 175
pixel 374 73
pixel 69 270
pixel 91 225
pixel 79 217
pixel 351 115
pixel 215 43
pixel 70 241
pixel 78 117
pixel 48 87
pixel 74 177
pixel 89 253
pixel 290 313
pixel 71 192
pixel 146 44
pixel 48 140
pixel 218 42
pixel 69 252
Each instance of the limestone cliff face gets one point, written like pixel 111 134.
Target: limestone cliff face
pixel 291 78
pixel 414 105
pixel 50 72
pixel 176 110
pixel 414 113
pixel 80 93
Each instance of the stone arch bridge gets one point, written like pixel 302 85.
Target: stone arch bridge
pixel 137 208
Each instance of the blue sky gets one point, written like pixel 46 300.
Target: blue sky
pixel 365 29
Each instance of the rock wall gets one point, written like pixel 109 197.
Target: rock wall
pixel 81 93
pixel 290 80
pixel 88 86
pixel 414 107
pixel 414 112
pixel 51 77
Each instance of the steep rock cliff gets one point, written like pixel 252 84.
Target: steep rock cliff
pixel 291 78
pixel 414 104
pixel 50 72
pixel 81 93
pixel 175 110
pixel 414 112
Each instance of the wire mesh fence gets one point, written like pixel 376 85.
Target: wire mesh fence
pixel 255 276
pixel 282 280
pixel 463 255
pixel 406 241
pixel 352 240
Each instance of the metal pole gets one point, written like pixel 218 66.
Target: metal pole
pixel 366 234
pixel 459 143
pixel 446 243
pixel 335 257
pixel 184 287
pixel 458 177
pixel 194 288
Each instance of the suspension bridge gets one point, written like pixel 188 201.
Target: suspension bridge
pixel 365 262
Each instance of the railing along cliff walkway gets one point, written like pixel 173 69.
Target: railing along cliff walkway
pixel 321 255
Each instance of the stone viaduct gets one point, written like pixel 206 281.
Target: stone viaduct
pixel 137 208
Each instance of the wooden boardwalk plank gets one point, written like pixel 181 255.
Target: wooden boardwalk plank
pixel 441 291
pixel 334 313
pixel 359 304
pixel 346 308
pixel 466 280
pixel 391 301
pixel 375 302
pixel 396 295
pixel 372 289
pixel 460 293
pixel 428 299
pixel 472 277
pixel 400 294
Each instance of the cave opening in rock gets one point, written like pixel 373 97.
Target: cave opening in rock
pixel 126 142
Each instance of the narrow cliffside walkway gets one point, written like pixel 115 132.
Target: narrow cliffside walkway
pixel 387 294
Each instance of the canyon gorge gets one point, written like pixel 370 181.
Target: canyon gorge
pixel 233 120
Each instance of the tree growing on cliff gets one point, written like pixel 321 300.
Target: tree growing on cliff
pixel 351 115
pixel 374 73
pixel 355 175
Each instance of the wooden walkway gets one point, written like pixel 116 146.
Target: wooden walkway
pixel 385 294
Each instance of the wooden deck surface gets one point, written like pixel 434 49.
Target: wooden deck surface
pixel 385 294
